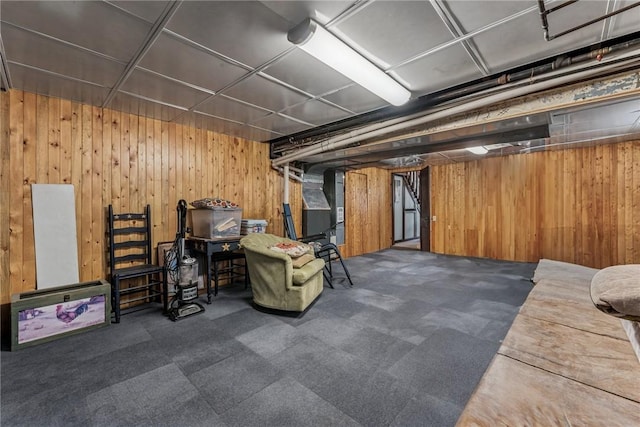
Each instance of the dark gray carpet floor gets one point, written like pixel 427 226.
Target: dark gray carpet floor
pixel 405 346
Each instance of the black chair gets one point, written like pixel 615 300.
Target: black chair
pixel 229 265
pixel 130 258
pixel 326 251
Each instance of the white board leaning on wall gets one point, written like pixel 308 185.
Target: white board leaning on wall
pixel 54 230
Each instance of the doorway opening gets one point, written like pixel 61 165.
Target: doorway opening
pixel 406 210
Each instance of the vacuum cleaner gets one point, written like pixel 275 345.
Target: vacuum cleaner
pixel 183 271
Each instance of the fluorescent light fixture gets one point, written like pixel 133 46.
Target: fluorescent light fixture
pixel 497 146
pixel 478 150
pixel 311 37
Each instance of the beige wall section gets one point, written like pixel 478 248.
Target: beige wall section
pixel 121 159
pixel 580 206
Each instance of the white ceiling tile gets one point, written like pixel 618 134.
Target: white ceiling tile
pixel 160 89
pixel 264 93
pixel 31 49
pixel 442 69
pixel 297 11
pixel 35 81
pixel 316 112
pixel 148 10
pixel 393 31
pixel 625 22
pixel 356 98
pixel 306 73
pixel 574 15
pixel 245 31
pixel 94 25
pixel 526 43
pixel 226 127
pixel 229 108
pixel 173 58
pixel 280 124
pixel 473 14
pixel 131 104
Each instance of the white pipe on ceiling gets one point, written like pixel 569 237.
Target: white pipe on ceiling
pixel 399 124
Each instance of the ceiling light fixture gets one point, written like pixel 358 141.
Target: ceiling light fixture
pixel 314 39
pixel 478 150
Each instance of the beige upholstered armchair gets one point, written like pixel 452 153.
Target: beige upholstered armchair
pixel 278 280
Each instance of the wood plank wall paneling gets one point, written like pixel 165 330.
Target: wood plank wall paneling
pixel 577 205
pixel 580 205
pixel 368 210
pixel 122 159
pixel 5 195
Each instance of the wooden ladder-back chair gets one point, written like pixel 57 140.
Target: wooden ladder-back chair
pixel 326 251
pixel 130 258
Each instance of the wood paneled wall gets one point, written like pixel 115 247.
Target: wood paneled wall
pixel 580 206
pixel 368 210
pixel 121 159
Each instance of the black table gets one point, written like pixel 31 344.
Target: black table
pixel 222 247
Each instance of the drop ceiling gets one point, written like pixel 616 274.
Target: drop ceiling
pixel 228 66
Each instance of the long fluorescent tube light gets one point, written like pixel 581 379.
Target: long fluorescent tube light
pixel 478 150
pixel 311 37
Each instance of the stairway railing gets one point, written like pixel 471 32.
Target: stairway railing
pixel 412 183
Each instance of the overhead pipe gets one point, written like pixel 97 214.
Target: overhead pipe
pixel 294 173
pixel 545 23
pixel 384 128
pixel 418 106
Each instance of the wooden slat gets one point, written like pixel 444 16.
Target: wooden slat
pixel 172 197
pixel 157 227
pixel 76 166
pixel 66 115
pixel 86 194
pixel 580 206
pixel 141 163
pixel 635 207
pixel 30 155
pixel 42 165
pixel 165 182
pixel 54 141
pixel 98 219
pixel 16 204
pixel 106 181
pixel 5 199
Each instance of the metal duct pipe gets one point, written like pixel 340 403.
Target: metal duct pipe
pixel 418 106
pixel 402 123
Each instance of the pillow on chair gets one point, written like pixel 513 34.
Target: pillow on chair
pixel 302 260
pixel 294 250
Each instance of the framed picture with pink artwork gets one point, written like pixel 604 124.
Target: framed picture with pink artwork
pixel 49 314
